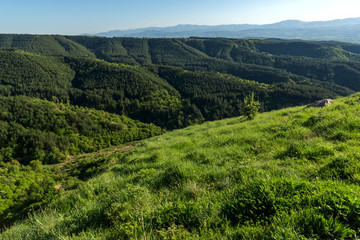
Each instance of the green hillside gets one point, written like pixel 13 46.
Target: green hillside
pixel 117 88
pixel 266 60
pixel 287 174
pixel 33 129
pixel 200 88
pixel 34 132
pixel 324 61
pixel 219 96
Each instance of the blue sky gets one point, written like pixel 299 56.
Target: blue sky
pixel 93 16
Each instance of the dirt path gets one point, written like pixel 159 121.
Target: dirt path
pixel 103 152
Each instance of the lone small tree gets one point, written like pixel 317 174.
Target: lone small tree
pixel 251 107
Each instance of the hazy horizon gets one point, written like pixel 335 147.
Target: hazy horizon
pixel 78 17
pixel 210 25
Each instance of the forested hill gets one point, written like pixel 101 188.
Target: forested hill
pixel 176 82
pixel 36 133
pixel 34 129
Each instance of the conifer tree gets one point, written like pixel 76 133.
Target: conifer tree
pixel 251 107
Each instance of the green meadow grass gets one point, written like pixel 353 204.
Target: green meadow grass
pixel 288 174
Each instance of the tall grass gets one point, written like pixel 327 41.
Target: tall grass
pixel 288 174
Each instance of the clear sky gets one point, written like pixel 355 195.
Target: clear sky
pixel 93 16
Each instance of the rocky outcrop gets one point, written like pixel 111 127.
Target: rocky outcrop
pixel 321 103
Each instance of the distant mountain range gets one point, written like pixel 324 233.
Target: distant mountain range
pixel 339 30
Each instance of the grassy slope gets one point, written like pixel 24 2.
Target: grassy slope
pixel 288 174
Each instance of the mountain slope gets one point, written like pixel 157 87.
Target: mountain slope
pixel 171 97
pixel 288 174
pixel 53 45
pixel 117 88
pixel 157 80
pixel 259 60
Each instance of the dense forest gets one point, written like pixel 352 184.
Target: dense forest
pixel 33 129
pixel 64 96
pixel 176 82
